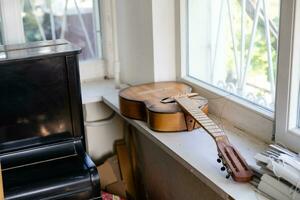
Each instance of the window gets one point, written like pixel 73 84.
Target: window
pixel 287 99
pixel 246 49
pixel 35 20
pixel 232 45
pixel 73 20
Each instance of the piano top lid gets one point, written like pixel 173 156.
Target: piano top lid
pixel 31 50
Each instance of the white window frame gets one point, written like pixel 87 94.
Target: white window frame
pixel 90 69
pixel 12 26
pixel 243 114
pixel 288 77
pixel 102 68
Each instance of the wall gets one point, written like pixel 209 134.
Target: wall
pixel 134 18
pixel 163 14
pixel 146 38
pixel 159 176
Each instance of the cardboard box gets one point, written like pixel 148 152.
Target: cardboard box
pixel 110 177
pixel 126 168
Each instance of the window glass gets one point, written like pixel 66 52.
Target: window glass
pixel 233 44
pixel 69 19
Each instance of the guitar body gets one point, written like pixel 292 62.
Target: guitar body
pixel 143 102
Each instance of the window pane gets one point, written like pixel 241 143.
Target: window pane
pixel 232 45
pixel 69 19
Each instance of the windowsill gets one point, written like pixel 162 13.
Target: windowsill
pixel 196 152
pixel 93 90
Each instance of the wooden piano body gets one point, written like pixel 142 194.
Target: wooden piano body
pixel 42 146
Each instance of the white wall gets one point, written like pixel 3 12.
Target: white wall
pixel 134 18
pixel 146 38
pixel 163 14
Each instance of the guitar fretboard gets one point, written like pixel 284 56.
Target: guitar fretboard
pixel 207 124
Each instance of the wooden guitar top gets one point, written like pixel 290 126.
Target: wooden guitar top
pixel 144 102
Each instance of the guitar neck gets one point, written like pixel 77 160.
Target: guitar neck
pixel 190 107
pixel 236 166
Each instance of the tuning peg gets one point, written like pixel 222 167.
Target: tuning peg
pixel 219 160
pixel 227 176
pixel 223 168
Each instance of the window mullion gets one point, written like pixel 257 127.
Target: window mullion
pixel 12 22
pixel 286 60
pixel 97 24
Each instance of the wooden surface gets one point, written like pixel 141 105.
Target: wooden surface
pixel 161 177
pixel 193 151
pixel 41 48
pixel 126 168
pixel 143 102
pixel 1 185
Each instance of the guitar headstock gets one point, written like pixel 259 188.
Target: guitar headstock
pixel 233 162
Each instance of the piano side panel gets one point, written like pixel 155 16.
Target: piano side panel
pixel 75 95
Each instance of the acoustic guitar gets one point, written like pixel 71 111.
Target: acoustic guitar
pixel 143 102
pixel 170 106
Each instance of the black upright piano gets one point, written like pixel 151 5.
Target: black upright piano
pixel 42 144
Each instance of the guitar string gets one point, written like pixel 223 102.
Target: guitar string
pixel 219 115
